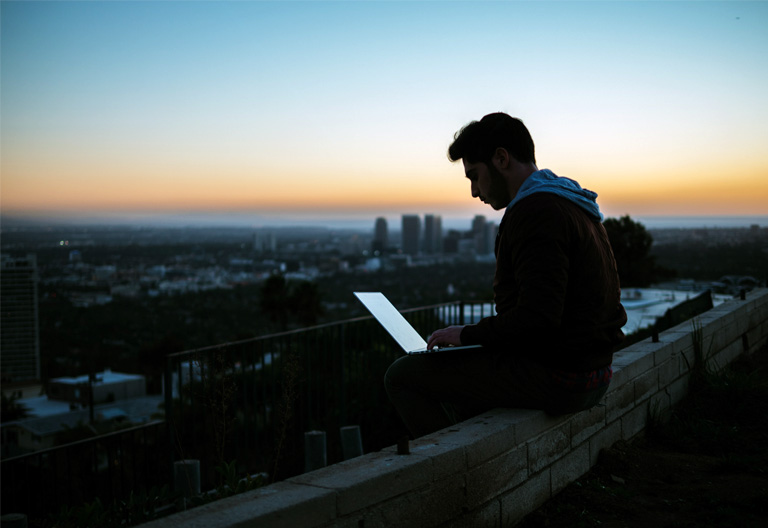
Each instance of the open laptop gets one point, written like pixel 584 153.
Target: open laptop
pixel 400 329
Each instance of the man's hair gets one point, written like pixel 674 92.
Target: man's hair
pixel 478 141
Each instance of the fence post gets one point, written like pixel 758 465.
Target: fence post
pixel 403 447
pixel 186 479
pixel 351 441
pixel 170 425
pixel 314 450
pixel 342 386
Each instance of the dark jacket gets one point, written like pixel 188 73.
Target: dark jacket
pixel 556 288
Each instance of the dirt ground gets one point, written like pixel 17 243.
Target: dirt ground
pixel 707 466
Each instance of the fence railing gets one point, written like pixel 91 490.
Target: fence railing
pixel 252 401
pixel 108 467
pixel 247 402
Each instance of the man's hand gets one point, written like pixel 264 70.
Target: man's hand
pixel 450 336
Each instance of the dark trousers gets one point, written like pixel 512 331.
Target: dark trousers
pixel 434 391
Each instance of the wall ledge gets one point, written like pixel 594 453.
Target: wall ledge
pixel 494 469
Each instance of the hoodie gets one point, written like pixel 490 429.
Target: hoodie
pixel 556 287
pixel 545 180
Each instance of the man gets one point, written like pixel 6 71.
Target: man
pixel 556 290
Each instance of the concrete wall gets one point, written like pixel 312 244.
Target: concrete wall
pixel 494 469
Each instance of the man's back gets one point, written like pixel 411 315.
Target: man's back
pixel 556 286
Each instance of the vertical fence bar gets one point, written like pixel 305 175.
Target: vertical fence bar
pixel 343 364
pixel 169 419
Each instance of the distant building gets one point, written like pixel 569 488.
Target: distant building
pixel 107 386
pixel 116 397
pixel 20 331
pixel 264 242
pixel 40 430
pixel 104 273
pixel 380 235
pixel 433 234
pixel 451 242
pixel 411 234
pixel 480 234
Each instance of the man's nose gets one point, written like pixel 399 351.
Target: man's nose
pixel 473 187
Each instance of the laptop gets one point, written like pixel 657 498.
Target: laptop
pixel 400 329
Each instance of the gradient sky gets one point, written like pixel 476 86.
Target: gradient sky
pixel 347 108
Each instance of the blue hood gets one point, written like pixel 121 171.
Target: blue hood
pixel 546 181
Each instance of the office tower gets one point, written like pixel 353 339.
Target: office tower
pixel 480 234
pixel 411 225
pixel 451 242
pixel 380 235
pixel 264 242
pixel 433 234
pixel 20 335
pixel 478 224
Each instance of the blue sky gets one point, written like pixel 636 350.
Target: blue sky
pixel 347 108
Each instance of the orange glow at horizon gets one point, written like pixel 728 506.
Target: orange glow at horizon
pixel 75 191
pixel 419 186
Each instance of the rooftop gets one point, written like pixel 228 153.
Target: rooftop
pixel 102 378
pixel 49 421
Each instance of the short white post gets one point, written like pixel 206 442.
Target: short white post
pixel 351 441
pixel 314 450
pixel 186 479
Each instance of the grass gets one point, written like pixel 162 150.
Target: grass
pixel 706 465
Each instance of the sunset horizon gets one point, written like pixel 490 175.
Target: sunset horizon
pixel 359 221
pixel 327 109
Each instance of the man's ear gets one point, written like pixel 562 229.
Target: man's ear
pixel 501 158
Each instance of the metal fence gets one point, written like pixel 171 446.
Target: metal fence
pixel 252 401
pixel 107 467
pixel 247 402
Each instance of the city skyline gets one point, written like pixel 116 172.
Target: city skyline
pixel 262 111
pixel 330 221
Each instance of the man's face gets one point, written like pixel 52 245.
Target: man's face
pixel 488 184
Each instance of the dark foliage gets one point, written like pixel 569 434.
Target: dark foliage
pixel 631 245
pixel 11 410
pixel 713 260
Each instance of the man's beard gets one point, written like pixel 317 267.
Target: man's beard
pixel 498 195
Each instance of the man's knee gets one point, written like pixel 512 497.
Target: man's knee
pixel 406 371
pixel 395 372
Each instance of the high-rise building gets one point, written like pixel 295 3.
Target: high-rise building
pixel 380 235
pixel 480 234
pixel 411 234
pixel 433 234
pixel 19 328
pixel 451 241
pixel 264 242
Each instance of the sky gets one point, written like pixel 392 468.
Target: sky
pixel 320 110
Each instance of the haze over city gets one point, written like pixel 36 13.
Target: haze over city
pixel 257 112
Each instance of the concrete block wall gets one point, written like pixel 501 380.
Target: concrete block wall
pixel 496 468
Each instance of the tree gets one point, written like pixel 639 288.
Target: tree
pixel 631 245
pixel 12 409
pixel 305 303
pixel 274 299
pixel 298 301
